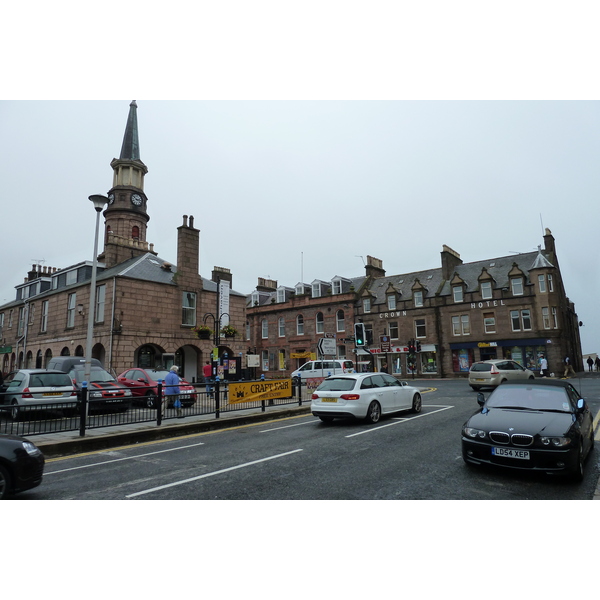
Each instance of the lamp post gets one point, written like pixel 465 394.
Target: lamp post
pixel 99 203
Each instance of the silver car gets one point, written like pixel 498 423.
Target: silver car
pixel 28 388
pixel 491 373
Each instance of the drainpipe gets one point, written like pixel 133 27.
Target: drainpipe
pixel 112 324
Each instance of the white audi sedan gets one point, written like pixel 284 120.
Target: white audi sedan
pixel 363 396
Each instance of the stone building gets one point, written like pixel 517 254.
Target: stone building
pixel 508 307
pixel 145 308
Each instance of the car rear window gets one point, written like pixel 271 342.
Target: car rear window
pixel 336 384
pixel 481 367
pixel 50 380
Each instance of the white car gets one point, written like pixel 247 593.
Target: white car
pixel 323 368
pixel 363 396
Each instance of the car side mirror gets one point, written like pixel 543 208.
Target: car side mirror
pixel 142 380
pixel 480 399
pixel 581 405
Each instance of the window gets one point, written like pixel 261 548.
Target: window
pixel 282 360
pixel 526 319
pixel 514 318
pixel 265 330
pixel 367 305
pixel 188 313
pixel 457 292
pixel 418 298
pixel 542 283
pixel 299 325
pixel 135 232
pixel 555 317
pixel 71 303
pixel 455 325
pixel 44 319
pixel 100 297
pixel 21 323
pixel 391 302
pixel 299 289
pixel 393 330
pixel 319 323
pixel 517 286
pixel 336 286
pixel 71 277
pixel 550 284
pixel 280 295
pixel 316 290
pixel 489 323
pixel 486 290
pixel 546 317
pixel 340 323
pixel 281 327
pixel 465 325
pixel 420 330
pixel 254 298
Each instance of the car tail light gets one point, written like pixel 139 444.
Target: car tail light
pixel 494 370
pixel 314 396
pixel 350 396
pixel 26 393
pixel 74 392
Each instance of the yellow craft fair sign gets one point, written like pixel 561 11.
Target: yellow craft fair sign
pixel 256 391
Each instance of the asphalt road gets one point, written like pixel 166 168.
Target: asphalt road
pixel 405 457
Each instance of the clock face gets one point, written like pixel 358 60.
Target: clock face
pixel 111 198
pixel 136 199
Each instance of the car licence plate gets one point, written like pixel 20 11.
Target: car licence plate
pixel 328 399
pixel 480 379
pixel 52 393
pixel 511 453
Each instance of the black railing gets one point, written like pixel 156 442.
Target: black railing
pixel 21 417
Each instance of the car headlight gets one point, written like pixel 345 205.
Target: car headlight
pixel 557 442
pixel 474 433
pixel 31 449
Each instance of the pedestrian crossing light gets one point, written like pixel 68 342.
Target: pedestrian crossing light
pixel 359 334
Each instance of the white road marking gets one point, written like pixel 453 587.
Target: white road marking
pixel 106 462
pixel 287 426
pixel 175 483
pixel 399 420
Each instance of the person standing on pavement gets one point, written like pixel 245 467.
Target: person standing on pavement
pixel 544 367
pixel 568 368
pixel 172 390
pixel 207 372
pixel 597 363
pixel 590 362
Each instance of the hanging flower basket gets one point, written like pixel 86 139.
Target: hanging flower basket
pixel 228 331
pixel 202 332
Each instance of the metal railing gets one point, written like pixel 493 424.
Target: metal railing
pixel 38 418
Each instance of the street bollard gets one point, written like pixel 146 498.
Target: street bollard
pixel 217 397
pixel 83 398
pixel 159 402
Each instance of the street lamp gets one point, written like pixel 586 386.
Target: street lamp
pixel 99 203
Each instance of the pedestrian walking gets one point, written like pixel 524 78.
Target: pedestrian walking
pixel 207 372
pixel 172 391
pixel 384 368
pixel 568 368
pixel 544 367
pixel 590 362
pixel 597 363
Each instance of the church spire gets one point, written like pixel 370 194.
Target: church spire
pixel 130 150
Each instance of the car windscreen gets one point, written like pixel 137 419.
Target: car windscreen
pixel 50 380
pixel 156 375
pixel 530 397
pixel 96 375
pixel 481 367
pixel 337 384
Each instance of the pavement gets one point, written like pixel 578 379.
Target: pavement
pixel 55 445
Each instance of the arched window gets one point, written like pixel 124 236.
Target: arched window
pixel 339 321
pixel 265 329
pixel 299 325
pixel 320 326
pixel 65 352
pixel 135 232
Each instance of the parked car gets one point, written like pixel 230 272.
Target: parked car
pixel 104 391
pixel 21 465
pixel 26 389
pixel 323 368
pixel 491 373
pixel 144 386
pixel 363 396
pixel 539 425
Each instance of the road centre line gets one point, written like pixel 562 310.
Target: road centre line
pixel 176 483
pixel 106 462
pixel 399 420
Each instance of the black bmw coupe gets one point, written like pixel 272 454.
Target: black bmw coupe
pixel 537 425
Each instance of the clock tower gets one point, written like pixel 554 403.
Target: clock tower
pixel 126 218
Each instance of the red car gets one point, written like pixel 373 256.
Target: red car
pixel 144 386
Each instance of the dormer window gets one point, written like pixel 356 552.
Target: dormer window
pixel 517 286
pixel 336 286
pixel 391 302
pixel 486 290
pixel 281 295
pixel 254 298
pixel 299 289
pixel 418 298
pixel 457 293
pixel 316 290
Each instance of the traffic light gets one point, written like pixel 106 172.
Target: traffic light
pixel 418 346
pixel 359 334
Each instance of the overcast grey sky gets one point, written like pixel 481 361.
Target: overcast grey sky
pixel 291 189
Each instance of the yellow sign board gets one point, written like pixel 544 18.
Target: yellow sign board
pixel 256 391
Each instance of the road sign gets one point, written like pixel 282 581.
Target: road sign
pixel 326 347
pixel 385 343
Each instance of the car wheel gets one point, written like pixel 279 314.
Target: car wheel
pixel 417 403
pixel 374 412
pixel 476 387
pixel 578 472
pixel 4 482
pixel 530 378
pixel 326 419
pixel 151 400
pixel 15 413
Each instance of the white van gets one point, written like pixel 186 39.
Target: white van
pixel 323 368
